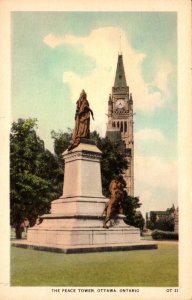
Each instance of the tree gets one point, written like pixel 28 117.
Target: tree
pixel 133 217
pixel 34 174
pixel 165 224
pixel 151 221
pixel 113 162
pixel 165 221
pixel 139 221
pixel 61 142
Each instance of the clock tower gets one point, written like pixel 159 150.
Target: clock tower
pixel 120 121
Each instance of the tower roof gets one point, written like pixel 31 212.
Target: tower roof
pixel 120 80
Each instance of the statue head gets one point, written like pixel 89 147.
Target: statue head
pixel 83 94
pixel 115 185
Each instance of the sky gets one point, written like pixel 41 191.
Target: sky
pixel 57 54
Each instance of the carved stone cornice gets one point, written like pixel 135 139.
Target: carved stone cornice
pixel 82 155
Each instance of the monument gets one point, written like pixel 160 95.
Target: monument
pixel 81 220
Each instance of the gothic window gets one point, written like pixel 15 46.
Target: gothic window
pixel 121 126
pixel 125 126
pixel 118 124
pixel 113 124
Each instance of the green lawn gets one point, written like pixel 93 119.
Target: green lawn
pixel 147 237
pixel 145 268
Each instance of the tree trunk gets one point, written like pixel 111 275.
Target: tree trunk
pixel 18 232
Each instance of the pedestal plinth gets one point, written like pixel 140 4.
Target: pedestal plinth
pixel 76 219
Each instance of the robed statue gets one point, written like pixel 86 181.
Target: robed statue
pixel 82 121
pixel 115 203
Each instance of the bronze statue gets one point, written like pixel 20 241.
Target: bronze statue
pixel 82 121
pixel 114 206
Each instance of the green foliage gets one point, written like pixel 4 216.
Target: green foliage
pixel 113 162
pixel 153 217
pixel 34 174
pixel 139 221
pixel 133 217
pixel 61 142
pixel 151 222
pixel 165 222
pixel 150 225
pixel 164 235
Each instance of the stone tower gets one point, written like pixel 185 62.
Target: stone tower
pixel 120 120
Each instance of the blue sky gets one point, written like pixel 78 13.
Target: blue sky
pixel 57 54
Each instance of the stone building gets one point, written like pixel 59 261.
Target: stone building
pixel 120 120
pixel 165 215
pixel 176 220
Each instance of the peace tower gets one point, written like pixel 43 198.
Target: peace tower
pixel 120 121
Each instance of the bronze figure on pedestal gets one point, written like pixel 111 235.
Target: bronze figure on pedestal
pixel 82 121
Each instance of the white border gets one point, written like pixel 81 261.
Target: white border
pixel 183 9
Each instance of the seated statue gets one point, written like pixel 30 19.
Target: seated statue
pixel 114 206
pixel 82 121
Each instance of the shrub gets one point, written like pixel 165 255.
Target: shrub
pixel 164 235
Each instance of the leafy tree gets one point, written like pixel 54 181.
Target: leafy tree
pixel 113 162
pixel 165 224
pixel 34 174
pixel 133 217
pixel 139 221
pixel 61 142
pixel 153 217
pixel 151 222
pixel 150 225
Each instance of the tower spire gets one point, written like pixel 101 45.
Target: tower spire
pixel 120 121
pixel 120 79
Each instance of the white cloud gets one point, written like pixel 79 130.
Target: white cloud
pixel 161 79
pixel 102 46
pixel 150 134
pixel 53 40
pixel 156 172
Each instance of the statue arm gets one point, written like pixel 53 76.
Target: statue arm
pixel 85 109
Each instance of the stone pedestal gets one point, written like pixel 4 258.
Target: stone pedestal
pixel 76 219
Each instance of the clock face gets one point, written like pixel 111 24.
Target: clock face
pixel 120 103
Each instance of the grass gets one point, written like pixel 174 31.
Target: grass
pixel 146 237
pixel 147 268
pixel 12 232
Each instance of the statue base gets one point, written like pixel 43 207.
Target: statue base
pixel 76 220
pixel 81 230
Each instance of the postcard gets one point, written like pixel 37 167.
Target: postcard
pixel 109 84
